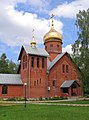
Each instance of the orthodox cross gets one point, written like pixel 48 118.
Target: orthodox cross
pixel 52 19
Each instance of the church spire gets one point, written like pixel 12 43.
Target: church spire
pixel 33 42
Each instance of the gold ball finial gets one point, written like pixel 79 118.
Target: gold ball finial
pixel 33 42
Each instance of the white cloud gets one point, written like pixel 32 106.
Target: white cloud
pixel 16 27
pixel 37 3
pixel 69 10
pixel 68 49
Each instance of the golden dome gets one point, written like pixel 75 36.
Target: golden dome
pixel 33 43
pixel 52 34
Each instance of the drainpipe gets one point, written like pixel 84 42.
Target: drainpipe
pixel 47 83
pixel 28 75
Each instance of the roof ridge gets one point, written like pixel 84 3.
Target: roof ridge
pixel 58 57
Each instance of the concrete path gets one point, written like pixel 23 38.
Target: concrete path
pixel 40 102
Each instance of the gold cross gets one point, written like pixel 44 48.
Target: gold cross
pixel 52 19
pixel 52 16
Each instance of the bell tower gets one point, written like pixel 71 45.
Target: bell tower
pixel 53 42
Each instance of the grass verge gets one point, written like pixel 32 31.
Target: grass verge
pixel 43 112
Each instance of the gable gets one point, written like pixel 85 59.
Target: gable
pixel 21 51
pixel 58 58
pixel 68 83
pixel 33 51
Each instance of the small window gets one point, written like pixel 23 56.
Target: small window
pixel 57 47
pixel 51 47
pixel 38 62
pixel 63 68
pixel 24 61
pixel 54 82
pixel 34 83
pixel 32 63
pixel 40 80
pixel 4 89
pixel 37 82
pixel 42 62
pixel 66 68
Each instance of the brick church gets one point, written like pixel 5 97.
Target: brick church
pixel 45 72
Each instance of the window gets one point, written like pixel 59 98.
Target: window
pixel 38 62
pixel 42 62
pixel 40 80
pixel 32 63
pixel 51 47
pixel 66 68
pixel 24 61
pixel 37 82
pixel 57 47
pixel 34 83
pixel 65 90
pixel 63 68
pixel 4 89
pixel 54 82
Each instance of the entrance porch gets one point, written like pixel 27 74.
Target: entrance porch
pixel 70 88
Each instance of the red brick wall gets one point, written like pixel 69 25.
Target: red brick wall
pixel 39 76
pixel 31 74
pixel 55 51
pixel 59 77
pixel 13 91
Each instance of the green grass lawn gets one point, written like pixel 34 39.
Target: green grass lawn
pixel 43 112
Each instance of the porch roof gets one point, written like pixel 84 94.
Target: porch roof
pixel 67 83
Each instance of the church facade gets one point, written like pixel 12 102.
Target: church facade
pixel 46 72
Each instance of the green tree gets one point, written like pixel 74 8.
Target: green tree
pixel 12 67
pixel 81 47
pixel 3 64
pixel 7 66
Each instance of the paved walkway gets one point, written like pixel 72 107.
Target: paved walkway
pixel 7 103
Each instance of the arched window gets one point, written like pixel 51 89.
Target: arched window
pixel 63 68
pixel 51 47
pixel 4 89
pixel 37 82
pixel 38 62
pixel 40 80
pixel 42 62
pixel 34 83
pixel 54 82
pixel 57 47
pixel 24 61
pixel 32 62
pixel 67 69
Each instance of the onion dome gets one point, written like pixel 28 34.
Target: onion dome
pixel 52 34
pixel 33 42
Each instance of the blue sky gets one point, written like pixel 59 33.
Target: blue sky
pixel 19 17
